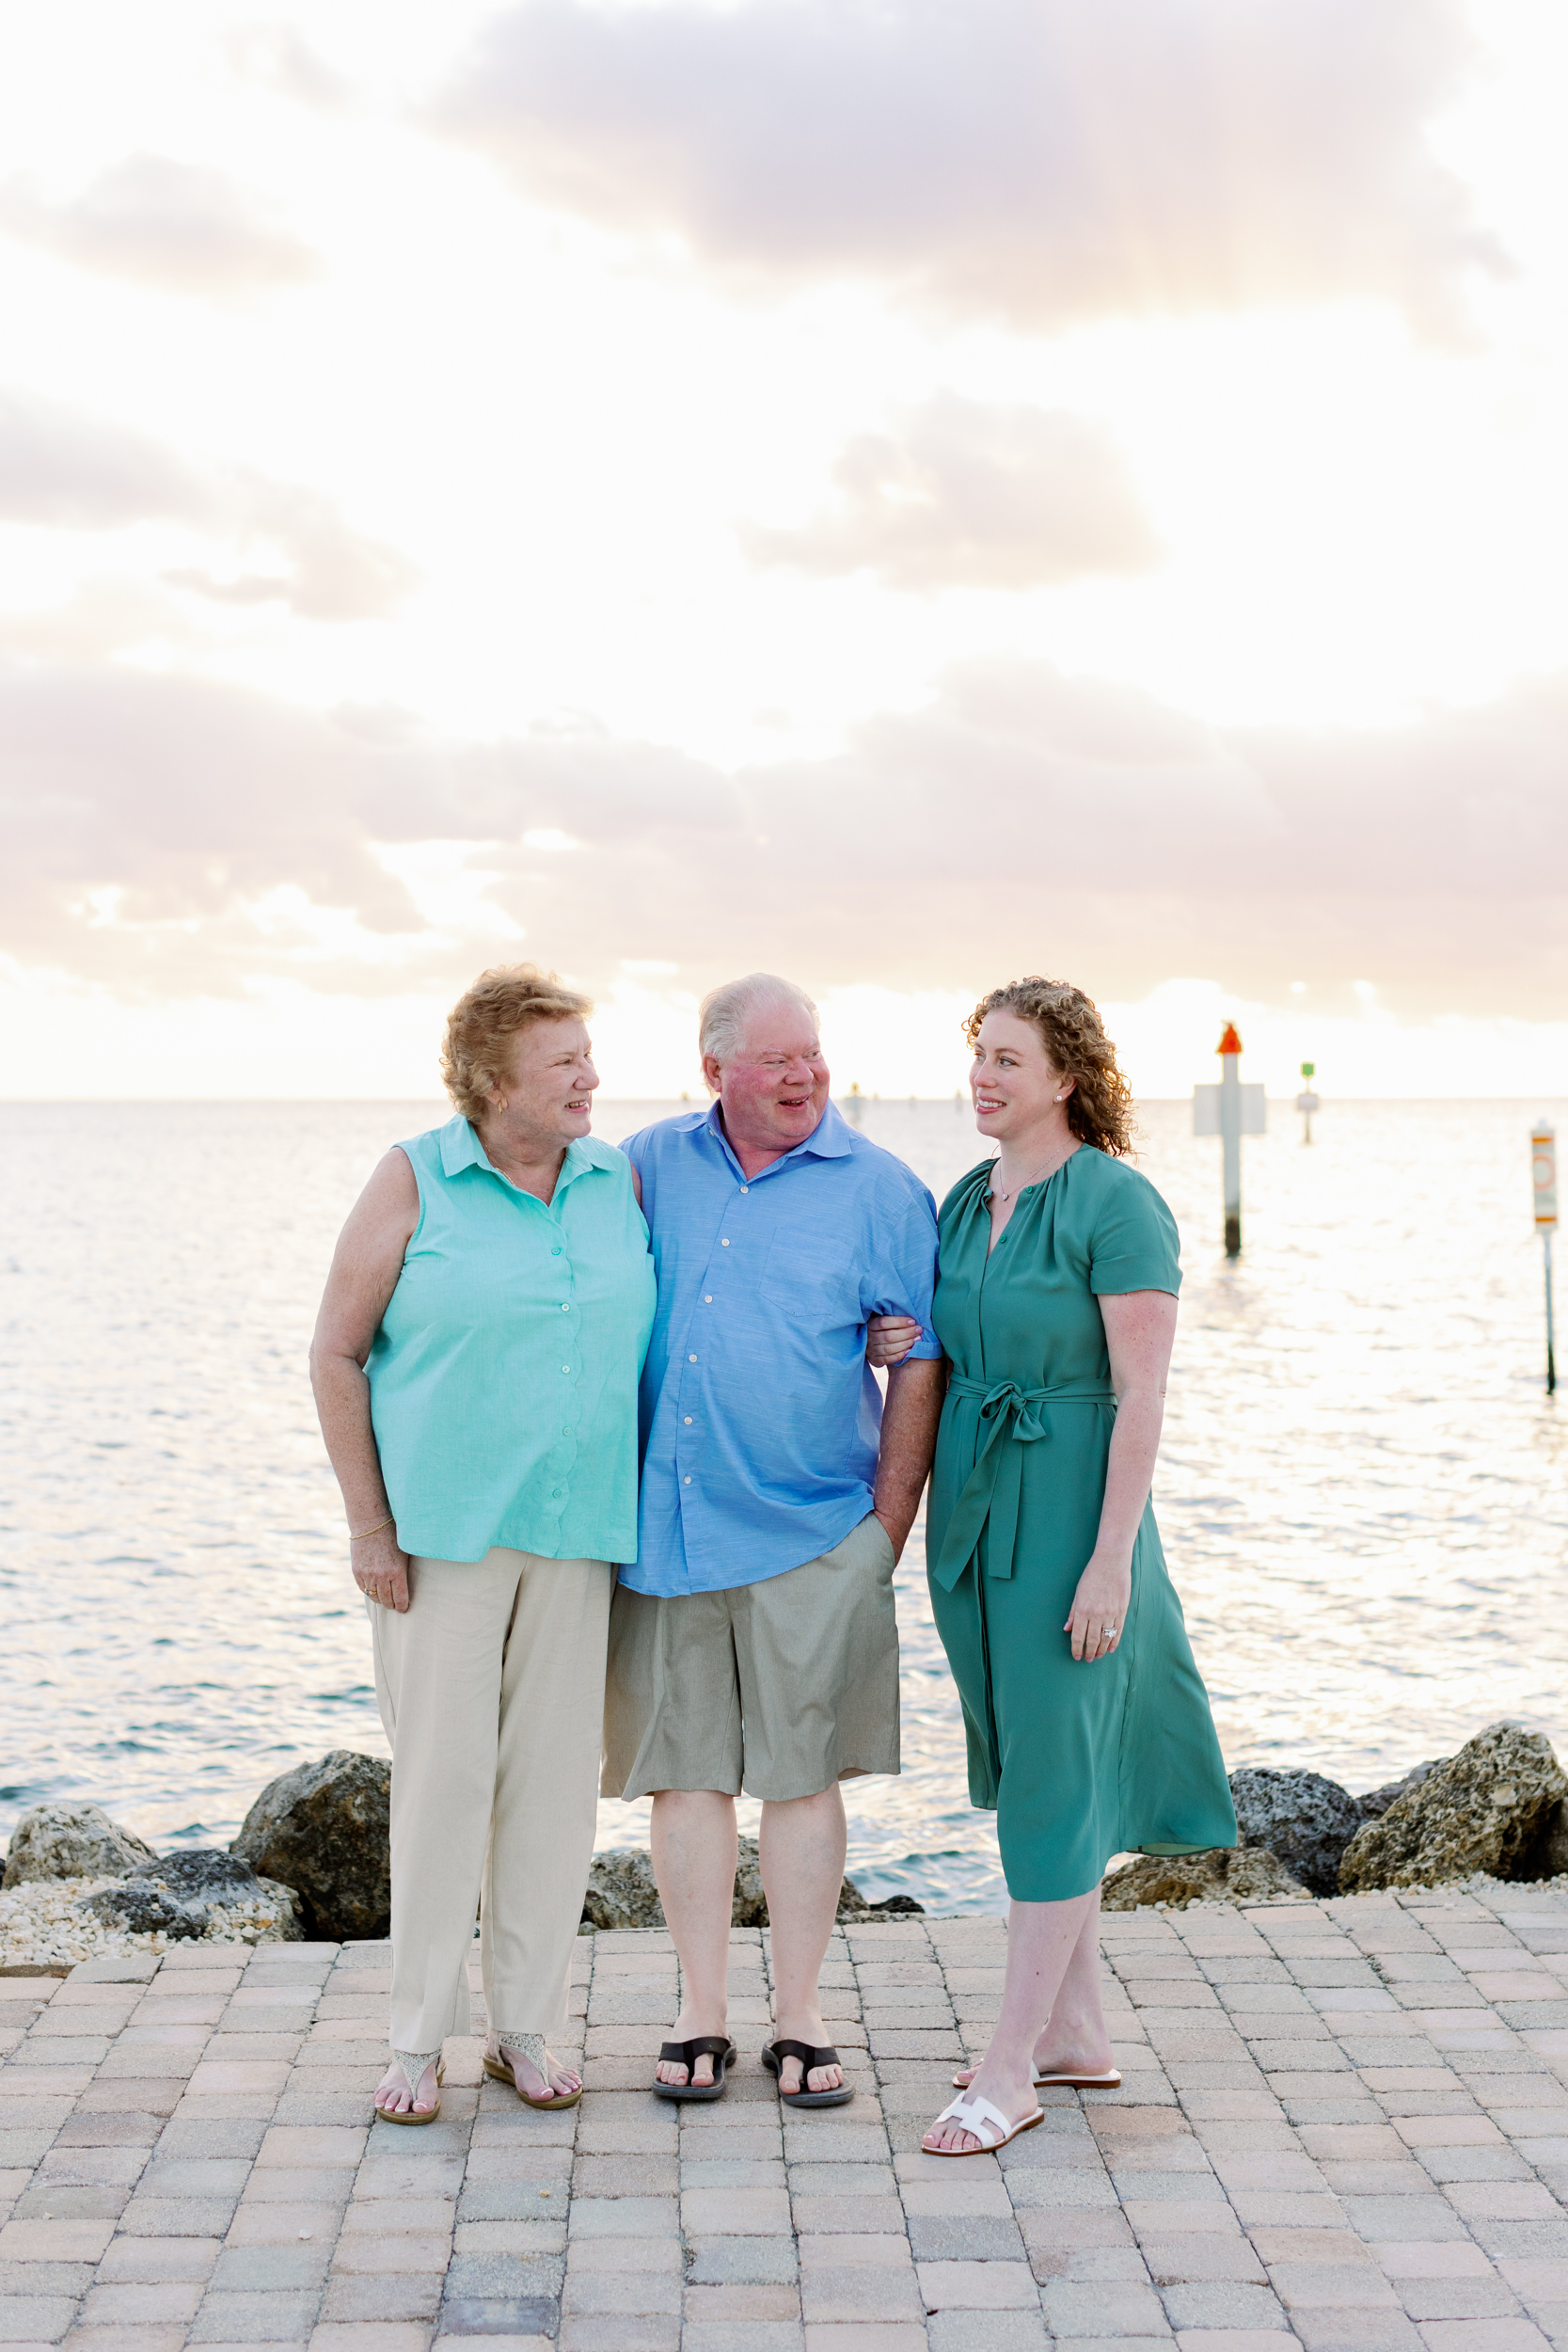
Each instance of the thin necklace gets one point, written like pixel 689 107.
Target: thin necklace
pixel 998 1195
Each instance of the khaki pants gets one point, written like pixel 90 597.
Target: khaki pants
pixel 491 1689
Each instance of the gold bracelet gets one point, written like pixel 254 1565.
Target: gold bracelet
pixel 371 1530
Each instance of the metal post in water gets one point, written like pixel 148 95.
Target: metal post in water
pixel 1231 1112
pixel 1543 1169
pixel 1306 1101
pixel 1229 1051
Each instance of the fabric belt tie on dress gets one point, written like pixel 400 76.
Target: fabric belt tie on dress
pixel 993 1486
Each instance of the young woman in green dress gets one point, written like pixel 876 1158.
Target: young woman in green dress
pixel 1088 1726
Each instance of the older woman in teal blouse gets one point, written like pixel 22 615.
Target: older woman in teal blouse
pixel 1088 1727
pixel 476 1367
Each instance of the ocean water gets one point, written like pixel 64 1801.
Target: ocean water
pixel 1363 1490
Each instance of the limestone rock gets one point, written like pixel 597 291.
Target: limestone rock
pixel 751 1903
pixel 148 1908
pixel 1483 1809
pixel 1548 1858
pixel 622 1893
pixel 71 1841
pixel 205 1872
pixel 322 1829
pixel 1303 1820
pixel 1377 1801
pixel 289 1911
pixel 1247 1874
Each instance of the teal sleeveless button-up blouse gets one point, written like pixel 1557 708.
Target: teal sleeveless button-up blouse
pixel 503 1378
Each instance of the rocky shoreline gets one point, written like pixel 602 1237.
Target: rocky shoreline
pixel 311 1862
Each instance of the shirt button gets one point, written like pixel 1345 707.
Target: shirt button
pixel 688 1419
pixel 565 1367
pixel 723 1245
pixel 556 1251
pixel 685 1481
pixel 691 1359
pixel 745 1188
pixel 707 1298
pixel 566 1306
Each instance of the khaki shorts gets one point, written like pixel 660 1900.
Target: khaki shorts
pixel 779 1688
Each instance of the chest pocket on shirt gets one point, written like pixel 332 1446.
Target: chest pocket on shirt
pixel 808 1275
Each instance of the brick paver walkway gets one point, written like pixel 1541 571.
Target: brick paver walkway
pixel 1344 2125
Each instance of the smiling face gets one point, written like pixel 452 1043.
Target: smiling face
pixel 1015 1084
pixel 774 1089
pixel 547 1100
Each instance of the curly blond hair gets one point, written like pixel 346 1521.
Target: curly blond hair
pixel 1099 1108
pixel 476 1052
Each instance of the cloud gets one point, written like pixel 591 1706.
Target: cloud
pixel 278 58
pixel 177 226
pixel 1036 161
pixel 959 494
pixel 151 827
pixel 67 469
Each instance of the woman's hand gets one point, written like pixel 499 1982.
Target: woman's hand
pixel 889 1339
pixel 380 1568
pixel 1099 1608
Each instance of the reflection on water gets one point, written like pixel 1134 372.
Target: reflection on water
pixel 1363 1490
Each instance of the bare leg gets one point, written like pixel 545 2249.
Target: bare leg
pixel 802 1842
pixel 393 2092
pixel 1042 1940
pixel 694 1850
pixel 1075 2040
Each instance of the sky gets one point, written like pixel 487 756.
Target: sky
pixel 903 493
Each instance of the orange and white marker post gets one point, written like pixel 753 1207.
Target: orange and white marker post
pixel 1231 1112
pixel 1542 1172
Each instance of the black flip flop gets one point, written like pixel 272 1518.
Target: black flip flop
pixel 773 2056
pixel 713 2045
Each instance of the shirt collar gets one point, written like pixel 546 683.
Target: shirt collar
pixel 461 1147
pixel 829 1140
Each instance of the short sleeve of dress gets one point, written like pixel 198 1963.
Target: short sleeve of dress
pixel 1134 1245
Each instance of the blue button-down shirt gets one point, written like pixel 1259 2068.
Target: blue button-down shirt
pixel 759 1417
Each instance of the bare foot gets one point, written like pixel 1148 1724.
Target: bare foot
pixel 392 2092
pixel 1059 2056
pixel 690 2027
pixel 806 2026
pixel 557 2082
pixel 1013 2095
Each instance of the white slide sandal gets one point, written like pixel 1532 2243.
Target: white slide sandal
pixel 1110 2080
pixel 988 2126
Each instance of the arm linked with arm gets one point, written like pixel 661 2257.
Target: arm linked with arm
pixel 910 1417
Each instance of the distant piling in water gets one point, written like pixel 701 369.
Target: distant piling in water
pixel 1231 1112
pixel 1542 1171
pixel 1306 1101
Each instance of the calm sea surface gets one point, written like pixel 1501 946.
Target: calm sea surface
pixel 1363 1490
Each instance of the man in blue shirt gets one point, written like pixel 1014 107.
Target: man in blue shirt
pixel 753 1644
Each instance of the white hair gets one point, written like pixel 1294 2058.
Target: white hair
pixel 722 1021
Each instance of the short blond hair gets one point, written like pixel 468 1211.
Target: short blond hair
pixel 476 1052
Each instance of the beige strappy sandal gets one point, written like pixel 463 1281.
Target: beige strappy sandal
pixel 499 2071
pixel 391 2115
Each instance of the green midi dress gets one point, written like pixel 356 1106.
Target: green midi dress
pixel 1079 1761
